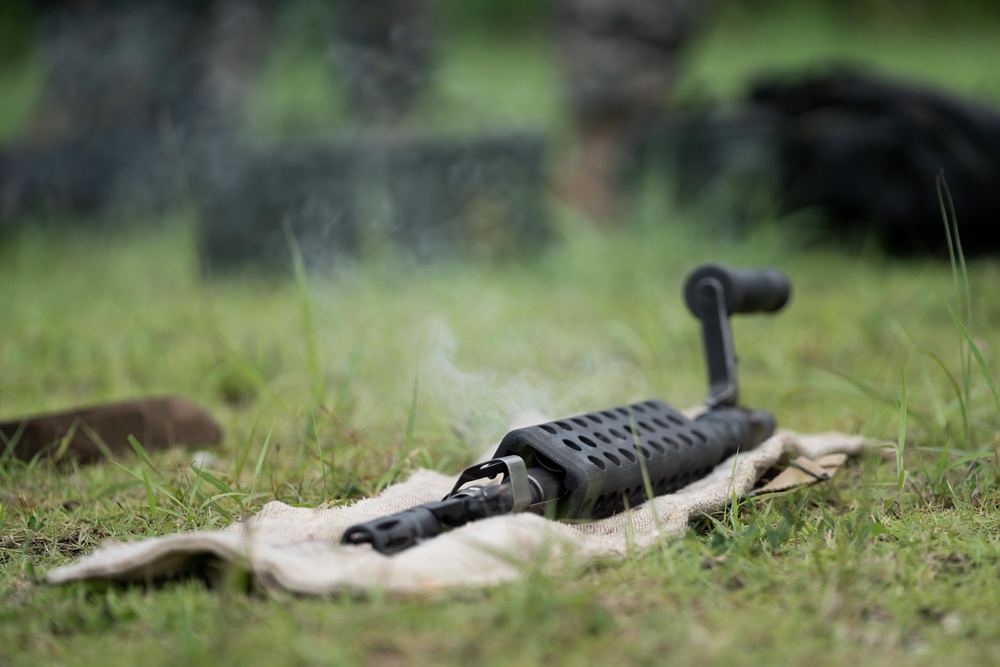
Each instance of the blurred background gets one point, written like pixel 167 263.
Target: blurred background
pixel 448 127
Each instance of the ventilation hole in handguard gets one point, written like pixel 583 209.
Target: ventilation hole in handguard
pixel 549 428
pixel 627 454
pixel 614 459
pixel 572 445
pixel 597 462
pixel 587 441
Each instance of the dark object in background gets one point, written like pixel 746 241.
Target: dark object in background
pixel 477 196
pixel 866 151
pixel 433 197
pixel 156 423
pixel 618 60
pixel 144 99
pixel 130 88
pixel 134 90
pixel 724 162
pixel 861 153
pixel 385 53
pixel 444 197
pixel 247 195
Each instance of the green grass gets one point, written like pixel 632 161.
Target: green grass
pixel 331 387
pixel 426 369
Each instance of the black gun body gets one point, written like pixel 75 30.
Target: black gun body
pixel 585 467
pixel 596 464
pixel 606 457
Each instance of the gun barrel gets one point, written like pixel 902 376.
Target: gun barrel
pixel 402 530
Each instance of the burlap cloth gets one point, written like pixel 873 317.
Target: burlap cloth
pixel 296 549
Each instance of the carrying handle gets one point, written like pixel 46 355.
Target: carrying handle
pixel 713 292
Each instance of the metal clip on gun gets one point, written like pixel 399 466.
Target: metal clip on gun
pixel 596 464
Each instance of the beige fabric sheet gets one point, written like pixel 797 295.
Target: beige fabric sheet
pixel 296 549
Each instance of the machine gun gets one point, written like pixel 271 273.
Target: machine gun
pixel 597 464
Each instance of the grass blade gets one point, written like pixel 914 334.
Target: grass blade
pixel 305 308
pixel 974 350
pixel 141 453
pixel 959 395
pixel 260 460
pixel 411 418
pixel 98 441
pixel 901 436
pixel 150 496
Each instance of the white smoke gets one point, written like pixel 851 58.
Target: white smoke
pixel 481 404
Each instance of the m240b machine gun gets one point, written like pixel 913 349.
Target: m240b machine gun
pixel 597 464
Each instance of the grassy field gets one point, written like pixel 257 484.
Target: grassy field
pixel 331 390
